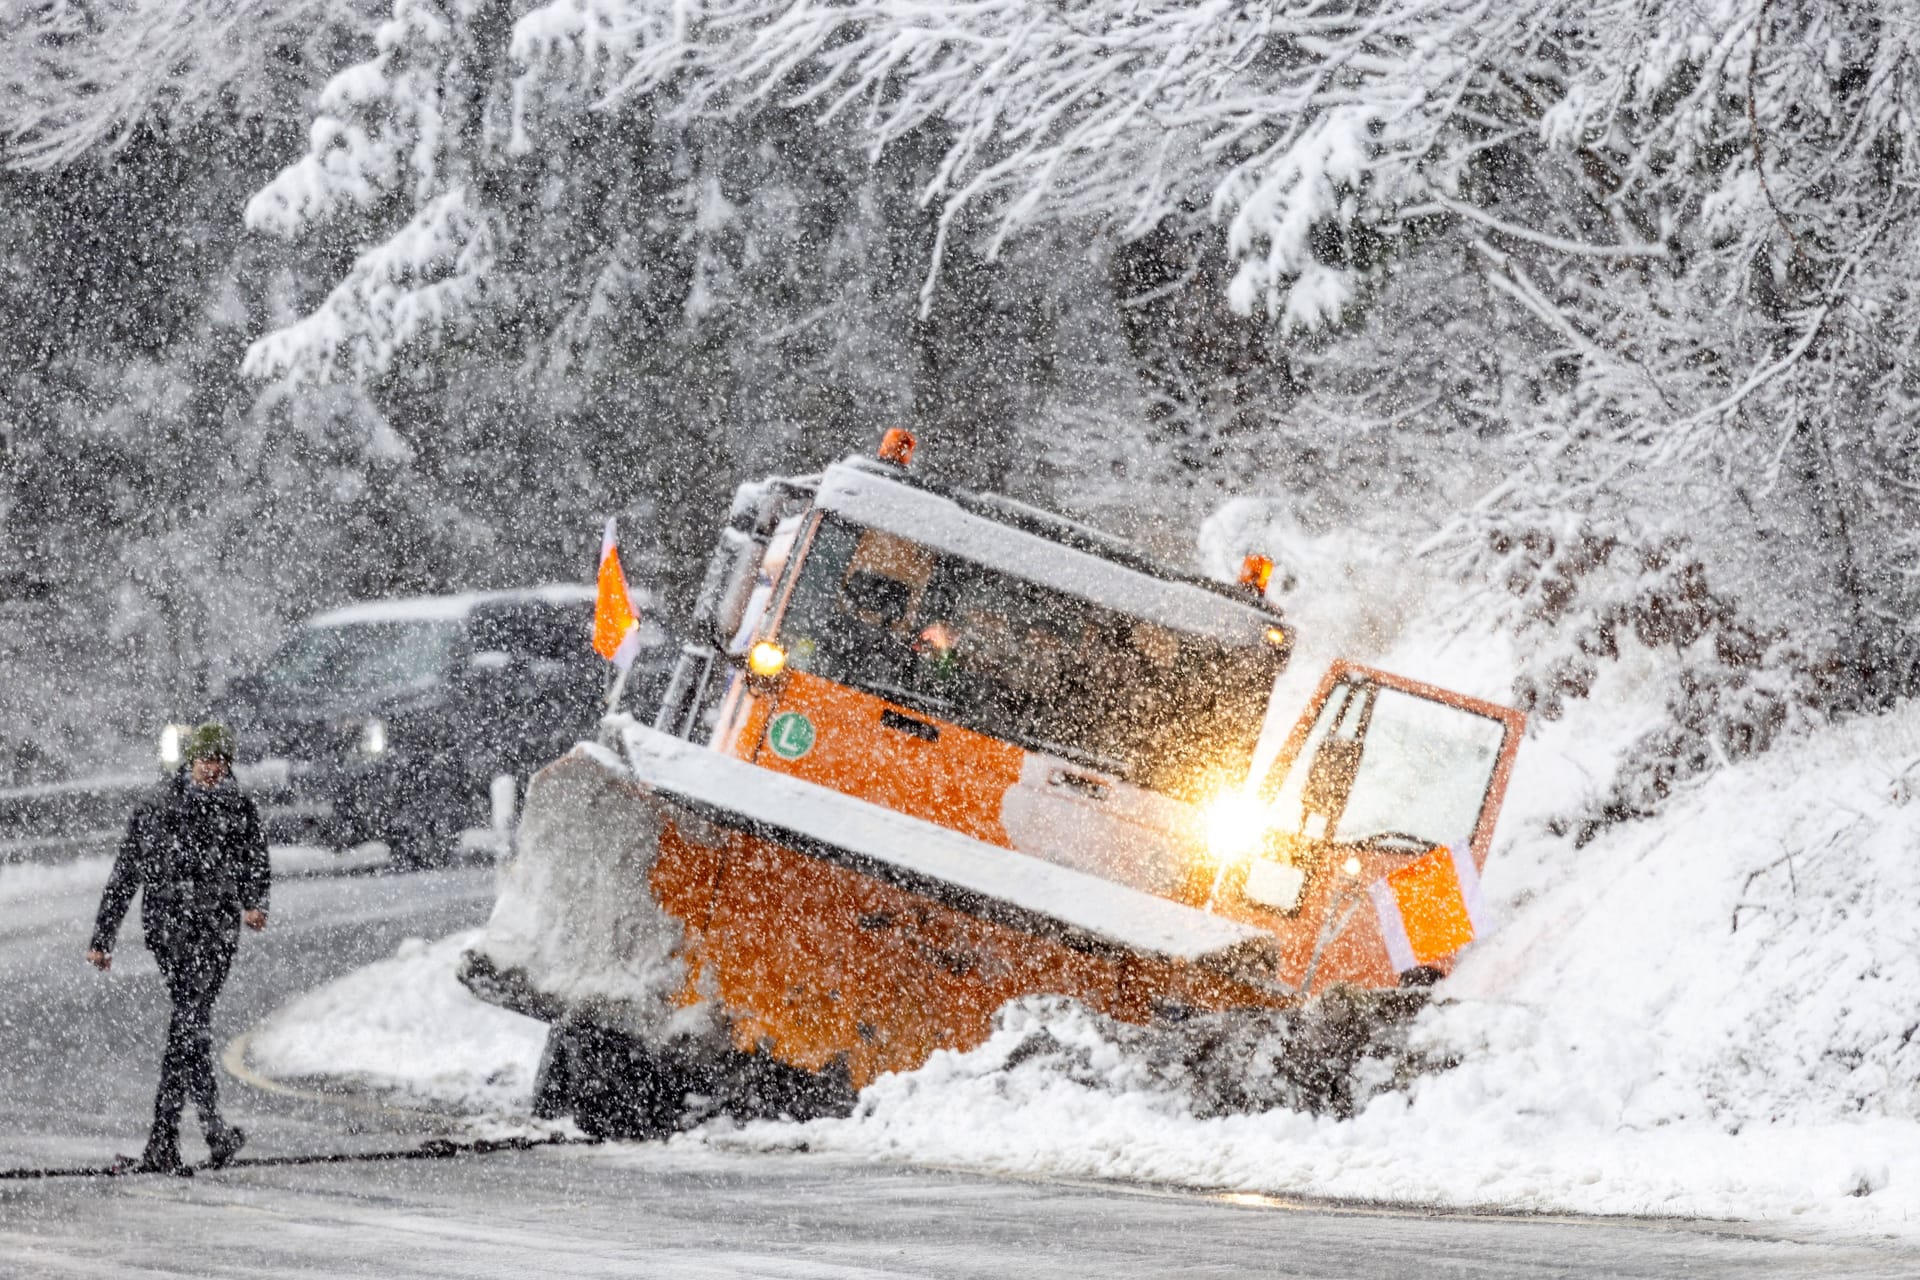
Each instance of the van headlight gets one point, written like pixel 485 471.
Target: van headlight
pixel 173 744
pixel 373 738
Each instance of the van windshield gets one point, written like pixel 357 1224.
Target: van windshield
pixel 325 663
pixel 1051 672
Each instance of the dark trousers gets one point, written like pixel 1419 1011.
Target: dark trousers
pixel 195 969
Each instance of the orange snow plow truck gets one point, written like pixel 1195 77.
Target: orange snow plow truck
pixel 933 751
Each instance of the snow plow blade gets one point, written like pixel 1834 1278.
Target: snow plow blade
pixel 689 895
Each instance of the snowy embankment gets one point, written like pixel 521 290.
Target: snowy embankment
pixel 1712 1012
pixel 1622 1046
pixel 405 1029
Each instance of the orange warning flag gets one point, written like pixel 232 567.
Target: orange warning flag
pixel 1431 907
pixel 616 627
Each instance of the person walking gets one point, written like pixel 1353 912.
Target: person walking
pixel 196 852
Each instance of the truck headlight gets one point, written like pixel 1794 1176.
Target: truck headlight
pixel 766 659
pixel 1236 825
pixel 373 739
pixel 173 744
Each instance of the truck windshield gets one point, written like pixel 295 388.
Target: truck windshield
pixel 1048 671
pixel 362 657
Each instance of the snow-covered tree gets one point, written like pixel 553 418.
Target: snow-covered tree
pixel 138 569
pixel 1502 281
pixel 1675 246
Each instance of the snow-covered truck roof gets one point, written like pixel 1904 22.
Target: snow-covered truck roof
pixel 1033 545
pixel 450 608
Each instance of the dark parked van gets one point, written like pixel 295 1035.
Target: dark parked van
pixel 389 720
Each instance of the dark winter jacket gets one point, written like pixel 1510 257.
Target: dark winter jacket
pixel 199 854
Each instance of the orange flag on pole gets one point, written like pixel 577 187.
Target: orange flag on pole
pixel 616 627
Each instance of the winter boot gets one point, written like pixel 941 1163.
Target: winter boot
pixel 224 1144
pixel 155 1159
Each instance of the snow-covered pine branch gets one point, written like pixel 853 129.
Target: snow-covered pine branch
pixel 78 77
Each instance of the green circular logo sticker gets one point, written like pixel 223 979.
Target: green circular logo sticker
pixel 790 735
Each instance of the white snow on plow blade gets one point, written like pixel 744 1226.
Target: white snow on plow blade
pixel 575 920
pixel 784 806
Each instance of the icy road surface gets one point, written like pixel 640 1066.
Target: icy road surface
pixel 77 1061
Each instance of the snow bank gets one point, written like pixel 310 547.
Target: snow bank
pixel 405 1028
pixel 1621 1046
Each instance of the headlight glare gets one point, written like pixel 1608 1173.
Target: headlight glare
pixel 373 738
pixel 173 744
pixel 766 659
pixel 1236 825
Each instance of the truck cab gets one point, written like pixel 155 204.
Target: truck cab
pixel 1003 674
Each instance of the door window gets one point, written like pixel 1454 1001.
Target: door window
pixel 1390 768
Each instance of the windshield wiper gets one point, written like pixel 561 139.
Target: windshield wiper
pixel 1387 839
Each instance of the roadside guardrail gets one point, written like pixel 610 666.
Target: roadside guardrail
pixel 57 820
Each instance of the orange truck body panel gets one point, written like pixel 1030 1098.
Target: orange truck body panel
pixel 943 773
pixel 825 967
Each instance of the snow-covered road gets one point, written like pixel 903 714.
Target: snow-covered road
pixel 654 1211
pixel 80 1051
pixel 76 1061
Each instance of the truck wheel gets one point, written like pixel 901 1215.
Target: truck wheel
pixel 552 1082
pixel 614 1086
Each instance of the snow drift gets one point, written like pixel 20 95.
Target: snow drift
pixel 405 1029
pixel 1709 1014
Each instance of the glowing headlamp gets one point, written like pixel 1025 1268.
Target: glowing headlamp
pixel 1236 825
pixel 766 659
